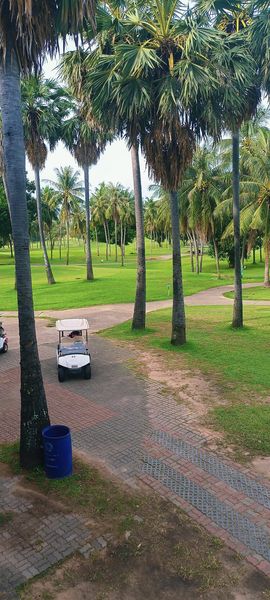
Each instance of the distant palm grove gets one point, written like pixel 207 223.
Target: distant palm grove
pixel 183 86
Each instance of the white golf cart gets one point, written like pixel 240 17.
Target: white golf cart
pixel 72 350
pixel 3 339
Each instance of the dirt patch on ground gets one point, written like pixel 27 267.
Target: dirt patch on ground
pixel 154 551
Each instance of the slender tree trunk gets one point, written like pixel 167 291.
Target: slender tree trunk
pixel 216 257
pixel 67 225
pixel 191 253
pixel 106 240
pixel 89 264
pixel 60 241
pixel 151 243
pixel 121 238
pixel 124 241
pixel 243 252
pixel 115 235
pixel 178 312
pixel 97 242
pixel 254 255
pixel 266 282
pixel 261 254
pixel 10 246
pixel 48 268
pixel 201 258
pixel 196 253
pixel 34 412
pixel 138 321
pixel 238 302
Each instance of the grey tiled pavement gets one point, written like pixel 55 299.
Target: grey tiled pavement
pixel 144 437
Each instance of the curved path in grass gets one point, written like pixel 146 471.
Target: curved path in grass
pixel 104 316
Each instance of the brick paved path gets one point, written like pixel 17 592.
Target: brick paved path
pixel 143 435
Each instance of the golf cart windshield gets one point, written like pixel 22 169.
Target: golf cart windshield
pixel 73 348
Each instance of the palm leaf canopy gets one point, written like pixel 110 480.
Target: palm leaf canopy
pixel 33 27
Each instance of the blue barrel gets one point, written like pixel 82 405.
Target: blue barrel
pixel 57 451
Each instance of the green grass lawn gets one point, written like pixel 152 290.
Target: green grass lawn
pixel 238 361
pixel 112 283
pixel 258 293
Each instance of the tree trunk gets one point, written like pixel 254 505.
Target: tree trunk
pixel 34 412
pixel 115 235
pixel 238 302
pixel 106 239
pixel 216 257
pixel 67 225
pixel 178 312
pixel 121 242
pixel 89 264
pixel 243 252
pixel 97 242
pixel 261 254
pixel 60 241
pixel 48 268
pixel 10 246
pixel 266 282
pixel 196 253
pixel 191 254
pixel 138 321
pixel 201 258
pixel 254 255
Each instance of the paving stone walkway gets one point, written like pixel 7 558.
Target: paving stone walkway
pixel 144 437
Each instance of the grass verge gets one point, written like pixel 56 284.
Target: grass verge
pixel 235 360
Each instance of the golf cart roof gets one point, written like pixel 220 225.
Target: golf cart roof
pixel 72 325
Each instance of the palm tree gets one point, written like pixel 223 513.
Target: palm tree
pixel 150 218
pixel 122 117
pixel 69 192
pixel 234 20
pixel 113 210
pixel 28 28
pixel 99 212
pixel 50 212
pixel 202 189
pixel 254 193
pixel 86 141
pixel 44 106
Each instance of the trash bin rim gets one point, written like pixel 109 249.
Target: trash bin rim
pixel 51 428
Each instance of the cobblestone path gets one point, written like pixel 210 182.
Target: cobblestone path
pixel 142 435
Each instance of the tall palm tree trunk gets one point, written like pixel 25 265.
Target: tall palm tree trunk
pixel 122 243
pixel 266 282
pixel 106 240
pixel 178 313
pixel 138 321
pixel 34 412
pixel 48 268
pixel 67 225
pixel 238 302
pixel 216 257
pixel 115 235
pixel 89 264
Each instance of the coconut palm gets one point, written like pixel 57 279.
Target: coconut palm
pixel 99 212
pixel 202 189
pixel 44 106
pixel 234 19
pixel 69 191
pixel 86 140
pixel 50 212
pixel 122 117
pixel 28 28
pixel 255 193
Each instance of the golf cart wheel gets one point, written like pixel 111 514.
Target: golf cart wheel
pixel 5 348
pixel 87 372
pixel 61 374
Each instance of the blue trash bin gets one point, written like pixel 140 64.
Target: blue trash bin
pixel 57 451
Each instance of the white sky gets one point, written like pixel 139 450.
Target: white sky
pixel 114 165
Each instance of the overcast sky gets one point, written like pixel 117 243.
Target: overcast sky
pixel 114 165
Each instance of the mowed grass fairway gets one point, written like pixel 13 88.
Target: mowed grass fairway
pixel 237 361
pixel 258 293
pixel 113 283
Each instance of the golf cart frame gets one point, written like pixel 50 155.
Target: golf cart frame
pixel 3 339
pixel 72 351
